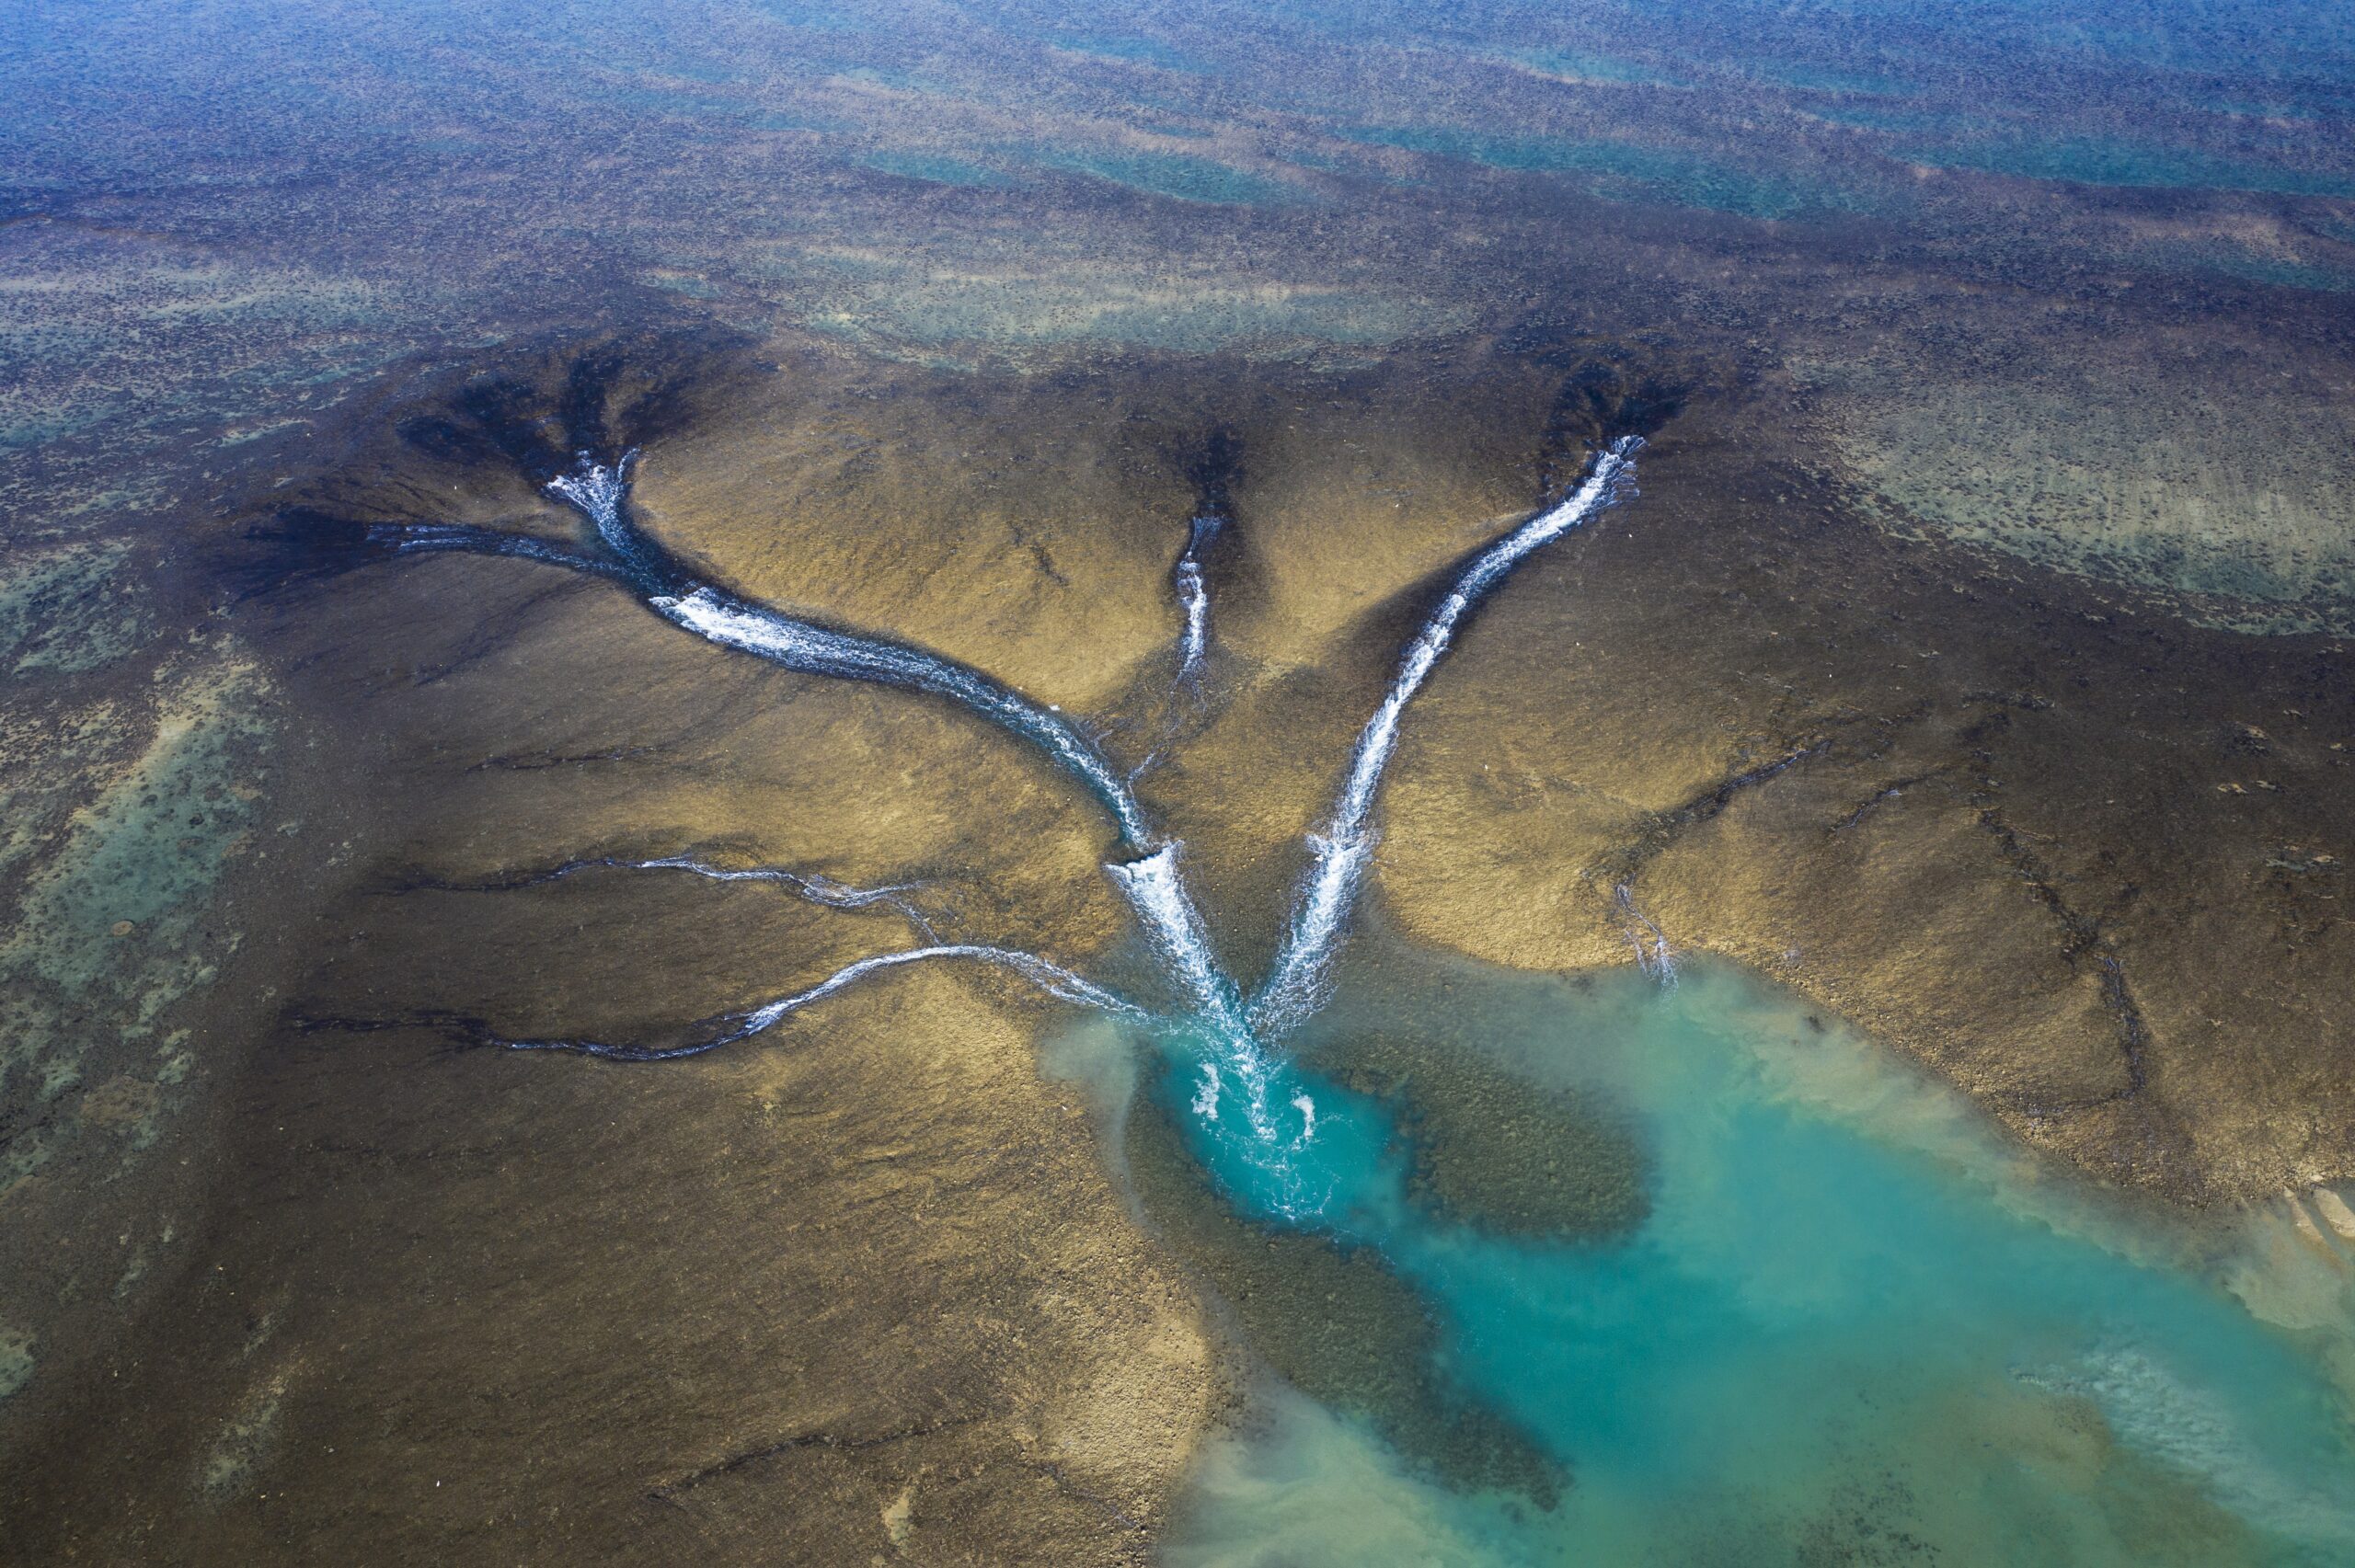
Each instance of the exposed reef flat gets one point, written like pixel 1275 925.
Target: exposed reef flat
pixel 1998 383
pixel 2086 860
pixel 879 1262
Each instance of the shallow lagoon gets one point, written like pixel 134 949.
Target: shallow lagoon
pixel 1853 1325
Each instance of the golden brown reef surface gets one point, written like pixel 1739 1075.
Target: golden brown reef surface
pixel 875 1281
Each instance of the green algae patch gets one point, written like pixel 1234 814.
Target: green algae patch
pixel 881 303
pixel 153 842
pixel 16 1360
pixel 111 930
pixel 69 612
pixel 2136 486
pixel 244 1442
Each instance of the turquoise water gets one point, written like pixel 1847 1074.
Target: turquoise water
pixel 2092 160
pixel 1181 176
pixel 933 167
pixel 1855 1324
pixel 1618 168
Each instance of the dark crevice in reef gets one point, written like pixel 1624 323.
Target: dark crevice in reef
pixel 2083 937
pixel 670 1492
pixel 2082 941
pixel 1177 692
pixel 1214 467
pixel 1662 829
pixel 1603 388
pixel 1598 402
pixel 513 428
pixel 488 640
pixel 1096 1500
pixel 460 1029
pixel 537 418
pixel 1881 797
pixel 538 762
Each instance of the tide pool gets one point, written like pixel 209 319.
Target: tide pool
pixel 1850 1322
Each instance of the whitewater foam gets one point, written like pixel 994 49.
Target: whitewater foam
pixel 1300 981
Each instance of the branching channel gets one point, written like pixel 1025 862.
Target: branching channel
pixel 1236 1067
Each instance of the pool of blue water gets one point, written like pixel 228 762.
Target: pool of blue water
pixel 1855 1324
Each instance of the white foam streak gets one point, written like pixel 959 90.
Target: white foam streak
pixel 1654 956
pixel 1155 888
pixel 729 621
pixel 1052 978
pixel 2153 1410
pixel 1300 981
pixel 1206 1092
pixel 1194 599
pixel 598 491
pixel 818 890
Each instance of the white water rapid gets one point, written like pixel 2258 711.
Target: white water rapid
pixel 1298 982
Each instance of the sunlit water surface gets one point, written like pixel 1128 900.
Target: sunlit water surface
pixel 1855 1325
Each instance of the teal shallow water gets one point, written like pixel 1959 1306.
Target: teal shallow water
pixel 1856 1325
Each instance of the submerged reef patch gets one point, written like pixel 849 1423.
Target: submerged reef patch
pixel 70 612
pixel 2082 470
pixel 113 929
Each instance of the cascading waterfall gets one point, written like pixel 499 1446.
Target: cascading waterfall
pixel 1194 601
pixel 1160 898
pixel 722 618
pixel 1300 979
pixel 1232 1059
pixel 601 494
pixel 1224 1037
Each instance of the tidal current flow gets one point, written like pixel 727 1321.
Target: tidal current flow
pixel 1847 1322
